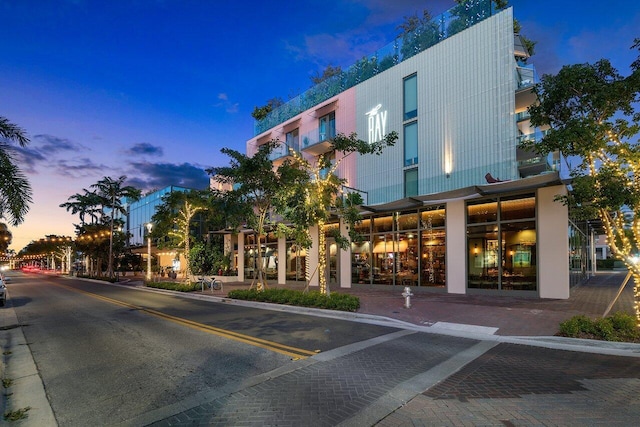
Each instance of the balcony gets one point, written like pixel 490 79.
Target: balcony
pixel 522 116
pixel 317 141
pixel 534 166
pixel 531 163
pixel 526 76
pixel 279 154
pixel 536 136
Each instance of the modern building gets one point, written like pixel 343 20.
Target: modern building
pixel 456 205
pixel 139 214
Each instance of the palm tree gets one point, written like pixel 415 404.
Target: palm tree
pixel 15 190
pixel 83 205
pixel 111 193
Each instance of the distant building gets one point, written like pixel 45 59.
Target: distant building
pixel 139 214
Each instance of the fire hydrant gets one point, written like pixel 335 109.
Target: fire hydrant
pixel 407 297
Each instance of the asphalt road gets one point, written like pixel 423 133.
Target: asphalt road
pixel 107 354
pixel 110 355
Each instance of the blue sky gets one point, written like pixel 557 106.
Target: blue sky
pixel 153 89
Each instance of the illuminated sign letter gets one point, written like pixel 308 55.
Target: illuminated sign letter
pixel 376 124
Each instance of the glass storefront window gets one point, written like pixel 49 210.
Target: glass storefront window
pixel 363 227
pixel 517 208
pixel 435 216
pixel 502 252
pixel 483 255
pixel 433 258
pixel 361 261
pixel 383 224
pixel 407 253
pixel 408 221
pixel 383 259
pixel 480 212
pixel 296 262
pixel 405 249
pixel 519 258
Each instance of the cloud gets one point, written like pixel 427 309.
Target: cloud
pixel 80 168
pixel 49 144
pixel 229 107
pixel 26 158
pixel 43 149
pixel 145 148
pixel 149 176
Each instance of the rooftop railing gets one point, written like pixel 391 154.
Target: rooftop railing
pixel 443 26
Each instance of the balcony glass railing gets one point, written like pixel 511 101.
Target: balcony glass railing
pixel 533 161
pixel 317 136
pixel 526 75
pixel 456 19
pixel 535 136
pixel 523 115
pixel 279 152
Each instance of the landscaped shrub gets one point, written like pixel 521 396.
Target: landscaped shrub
pixel 334 301
pixel 617 327
pixel 605 264
pixel 103 278
pixel 175 286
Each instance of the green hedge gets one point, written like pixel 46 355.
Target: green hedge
pixel 334 301
pixel 605 264
pixel 175 286
pixel 103 278
pixel 617 327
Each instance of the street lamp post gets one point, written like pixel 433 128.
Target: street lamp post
pixel 149 227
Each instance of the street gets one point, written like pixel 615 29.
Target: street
pixel 112 355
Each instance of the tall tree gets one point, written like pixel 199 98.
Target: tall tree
pixel 255 184
pixel 314 193
pixel 112 192
pixel 183 231
pixel 85 204
pixel 5 237
pixel 174 220
pixel 15 190
pixel 590 110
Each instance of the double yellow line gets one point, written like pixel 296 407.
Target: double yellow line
pixel 293 352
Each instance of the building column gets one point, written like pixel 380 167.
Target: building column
pixel 344 261
pixel 312 258
pixel 553 243
pixel 592 252
pixel 456 247
pixel 241 256
pixel 282 260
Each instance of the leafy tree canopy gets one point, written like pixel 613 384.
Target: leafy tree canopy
pixel 590 112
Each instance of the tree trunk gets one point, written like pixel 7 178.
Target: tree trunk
pixel 322 259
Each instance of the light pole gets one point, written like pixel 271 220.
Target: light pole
pixel 149 227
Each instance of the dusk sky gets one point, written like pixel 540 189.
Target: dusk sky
pixel 153 89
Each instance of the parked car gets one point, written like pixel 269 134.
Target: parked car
pixel 3 292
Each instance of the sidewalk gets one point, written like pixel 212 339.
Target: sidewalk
pixel 512 316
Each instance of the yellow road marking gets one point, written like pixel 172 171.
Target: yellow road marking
pixel 294 352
